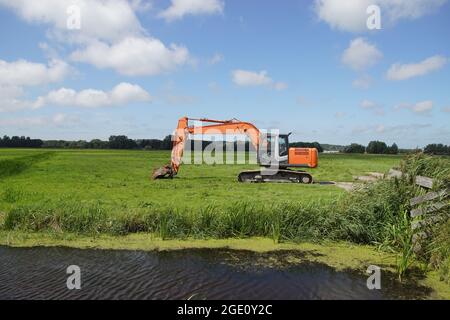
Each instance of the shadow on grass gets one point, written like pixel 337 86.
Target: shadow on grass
pixel 11 167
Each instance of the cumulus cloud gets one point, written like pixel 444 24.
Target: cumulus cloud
pixel 39 121
pixel 423 107
pixel 361 55
pixel 100 19
pixel 16 75
pixel 110 36
pixel 351 15
pixel 406 71
pixel 25 73
pixel 372 106
pixel 363 82
pixel 180 8
pixel 396 130
pixel 134 56
pixel 177 100
pixel 11 99
pixel 215 59
pixel 339 114
pixel 121 94
pixel 246 78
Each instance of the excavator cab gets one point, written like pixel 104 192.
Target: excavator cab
pixel 277 152
pixel 273 149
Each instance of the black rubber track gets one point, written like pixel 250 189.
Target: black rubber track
pixel 280 176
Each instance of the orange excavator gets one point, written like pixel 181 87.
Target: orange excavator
pixel 273 152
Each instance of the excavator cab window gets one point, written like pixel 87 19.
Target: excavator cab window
pixel 269 145
pixel 283 142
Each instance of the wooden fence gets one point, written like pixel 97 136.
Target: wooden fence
pixel 427 209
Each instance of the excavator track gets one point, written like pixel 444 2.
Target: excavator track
pixel 281 176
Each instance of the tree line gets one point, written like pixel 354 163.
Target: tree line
pixel 374 147
pixel 438 149
pixel 20 142
pixel 114 142
pixel 123 142
pixel 379 147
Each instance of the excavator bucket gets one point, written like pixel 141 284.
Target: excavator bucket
pixel 163 172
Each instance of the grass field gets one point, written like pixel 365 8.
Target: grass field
pixel 94 191
pixel 120 179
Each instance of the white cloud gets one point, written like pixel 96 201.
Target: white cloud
pixel 339 115
pixel 100 19
pixel 110 36
pixel 134 56
pixel 363 82
pixel 351 15
pixel 16 75
pixel 280 86
pixel 348 15
pixel 250 78
pixel 39 121
pixel 121 94
pixel 214 86
pixel 361 55
pixel 180 99
pixel 11 99
pixel 406 130
pixel 446 109
pixel 423 107
pixel 246 78
pixel 372 106
pixel 215 59
pixel 380 128
pixel 179 8
pixel 409 9
pixel 406 71
pixel 303 102
pixel 25 73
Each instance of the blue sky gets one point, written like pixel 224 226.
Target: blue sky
pixel 310 67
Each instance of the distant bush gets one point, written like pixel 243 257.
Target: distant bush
pixel 20 142
pixel 376 147
pixel 392 149
pixel 379 147
pixel 438 149
pixel 355 148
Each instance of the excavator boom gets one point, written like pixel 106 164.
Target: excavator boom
pixel 214 127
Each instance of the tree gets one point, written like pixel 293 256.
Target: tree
pixel 121 142
pixel 355 148
pixel 150 144
pixel 392 149
pixel 438 149
pixel 167 143
pixel 377 147
pixel 20 142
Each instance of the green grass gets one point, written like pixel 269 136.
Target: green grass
pixel 120 179
pixel 92 191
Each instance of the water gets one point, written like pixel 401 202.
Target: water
pixel 40 273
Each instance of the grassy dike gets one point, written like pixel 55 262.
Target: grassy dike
pixel 338 255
